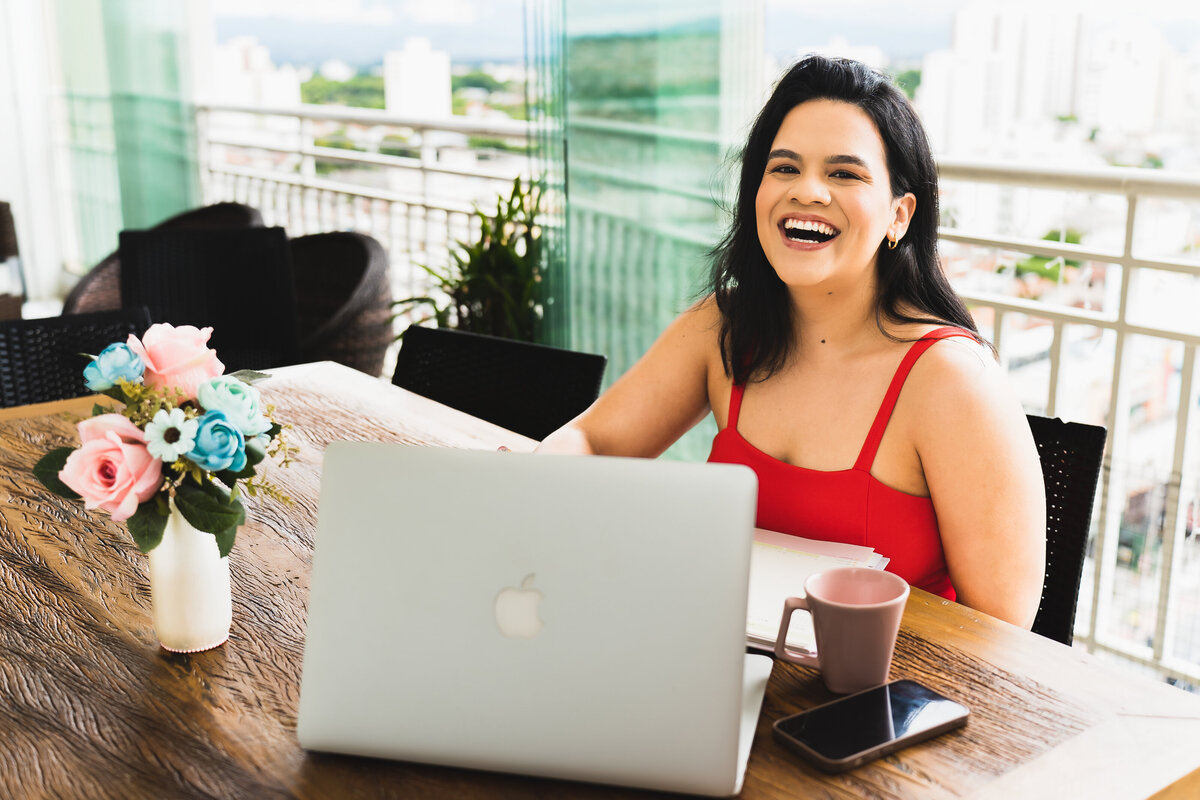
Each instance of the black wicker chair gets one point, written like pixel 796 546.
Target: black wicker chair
pixel 528 388
pixel 40 359
pixel 100 288
pixel 1071 454
pixel 237 280
pixel 343 299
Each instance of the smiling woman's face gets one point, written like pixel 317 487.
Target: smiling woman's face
pixel 825 205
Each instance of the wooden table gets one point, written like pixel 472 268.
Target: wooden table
pixel 91 707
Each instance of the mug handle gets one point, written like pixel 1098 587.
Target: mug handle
pixel 807 658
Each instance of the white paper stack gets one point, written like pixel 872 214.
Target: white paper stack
pixel 779 565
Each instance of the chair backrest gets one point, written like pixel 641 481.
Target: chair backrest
pixel 343 299
pixel 237 280
pixel 100 288
pixel 12 279
pixel 8 233
pixel 40 359
pixel 528 388
pixel 1071 455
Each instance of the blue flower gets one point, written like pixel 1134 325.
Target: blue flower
pixel 116 361
pixel 171 434
pixel 239 400
pixel 219 444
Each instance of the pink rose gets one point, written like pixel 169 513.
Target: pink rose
pixel 97 427
pixel 177 357
pixel 112 469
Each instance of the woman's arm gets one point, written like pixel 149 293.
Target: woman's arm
pixel 658 400
pixel 984 475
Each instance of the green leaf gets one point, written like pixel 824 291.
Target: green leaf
pixel 147 524
pixel 225 540
pixel 250 376
pixel 98 409
pixel 208 507
pixel 229 477
pixel 47 468
pixel 116 393
pixel 413 301
pixel 256 451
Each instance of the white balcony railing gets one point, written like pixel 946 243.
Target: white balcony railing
pixel 1101 330
pixel 412 184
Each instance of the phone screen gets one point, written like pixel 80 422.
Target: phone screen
pixel 895 713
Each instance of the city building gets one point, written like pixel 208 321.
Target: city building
pixel 417 80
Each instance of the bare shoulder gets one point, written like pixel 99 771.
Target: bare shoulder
pixel 702 316
pixel 958 359
pixel 696 330
pixel 957 384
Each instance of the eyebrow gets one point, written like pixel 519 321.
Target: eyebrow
pixel 838 159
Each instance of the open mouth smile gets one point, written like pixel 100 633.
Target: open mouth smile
pixel 808 231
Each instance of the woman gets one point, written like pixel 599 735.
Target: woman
pixel 838 362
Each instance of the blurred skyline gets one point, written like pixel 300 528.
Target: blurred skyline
pixel 358 32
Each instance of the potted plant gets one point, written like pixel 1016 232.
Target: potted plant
pixel 493 286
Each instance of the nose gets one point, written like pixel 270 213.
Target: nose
pixel 809 189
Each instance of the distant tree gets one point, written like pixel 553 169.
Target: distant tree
pixel 489 143
pixel 361 91
pixel 393 145
pixel 514 112
pixel 475 80
pixel 908 81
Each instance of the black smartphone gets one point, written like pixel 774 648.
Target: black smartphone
pixel 855 729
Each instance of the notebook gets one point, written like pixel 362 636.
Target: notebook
pixel 563 616
pixel 779 565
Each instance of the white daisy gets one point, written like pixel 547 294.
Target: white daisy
pixel 170 434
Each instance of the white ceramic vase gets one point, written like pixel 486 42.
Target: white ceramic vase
pixel 189 588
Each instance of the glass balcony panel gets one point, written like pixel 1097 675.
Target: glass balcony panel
pixel 1056 281
pixel 1144 472
pixel 1167 300
pixel 1094 220
pixel 1166 228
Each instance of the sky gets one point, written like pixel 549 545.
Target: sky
pixel 359 31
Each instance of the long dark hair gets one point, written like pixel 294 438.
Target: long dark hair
pixel 756 323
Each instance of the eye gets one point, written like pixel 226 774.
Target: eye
pixel 784 169
pixel 845 175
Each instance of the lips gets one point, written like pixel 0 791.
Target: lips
pixel 807 233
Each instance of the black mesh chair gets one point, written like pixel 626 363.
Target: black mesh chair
pixel 343 299
pixel 1071 454
pixel 100 288
pixel 528 388
pixel 237 280
pixel 40 359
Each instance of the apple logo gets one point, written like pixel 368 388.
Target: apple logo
pixel 517 610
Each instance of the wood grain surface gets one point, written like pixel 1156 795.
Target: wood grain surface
pixel 91 707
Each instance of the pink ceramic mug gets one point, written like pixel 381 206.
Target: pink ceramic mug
pixel 856 616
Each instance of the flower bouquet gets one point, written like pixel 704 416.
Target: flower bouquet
pixel 172 466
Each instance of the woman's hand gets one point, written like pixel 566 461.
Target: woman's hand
pixel 658 400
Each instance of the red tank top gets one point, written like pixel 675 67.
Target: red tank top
pixel 848 505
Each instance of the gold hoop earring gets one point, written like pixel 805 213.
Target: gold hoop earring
pixel 892 243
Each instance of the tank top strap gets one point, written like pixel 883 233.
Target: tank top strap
pixel 735 405
pixel 866 456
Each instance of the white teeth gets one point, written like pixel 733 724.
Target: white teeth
pixel 809 225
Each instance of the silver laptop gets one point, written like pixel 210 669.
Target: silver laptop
pixel 570 617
